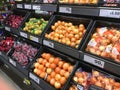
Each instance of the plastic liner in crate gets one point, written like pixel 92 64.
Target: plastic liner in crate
pixel 14 20
pixel 33 27
pixel 87 77
pixel 52 69
pixel 22 54
pixel 66 39
pixel 101 47
pixel 6 43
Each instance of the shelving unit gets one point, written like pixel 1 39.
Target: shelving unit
pixel 83 58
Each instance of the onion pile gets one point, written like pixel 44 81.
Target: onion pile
pixel 95 78
pixel 67 33
pixel 105 42
pixel 6 44
pixel 23 53
pixel 14 21
pixel 53 69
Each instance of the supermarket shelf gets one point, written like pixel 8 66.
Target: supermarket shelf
pixel 102 63
pixel 90 11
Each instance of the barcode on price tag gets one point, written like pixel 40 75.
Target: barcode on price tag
pixel 80 87
pixel 12 62
pixel 19 6
pixel 36 7
pixel 23 34
pixel 65 10
pixel 94 61
pixel 48 43
pixel 110 13
pixel 36 79
pixel 27 6
pixel 7 28
pixel 33 38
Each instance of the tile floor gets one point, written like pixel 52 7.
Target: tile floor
pixel 6 83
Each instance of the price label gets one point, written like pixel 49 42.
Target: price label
pixel 80 87
pixel 27 6
pixel 23 34
pixel 7 28
pixel 48 43
pixel 33 38
pixel 65 10
pixel 36 79
pixel 12 62
pixel 36 7
pixel 19 6
pixel 110 13
pixel 94 61
pixel 0 53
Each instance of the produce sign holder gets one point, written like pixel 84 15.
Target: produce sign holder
pixel 43 83
pixel 99 61
pixel 23 69
pixel 18 12
pixel 36 38
pixel 62 47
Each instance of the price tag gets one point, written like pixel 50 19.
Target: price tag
pixel 36 7
pixel 7 28
pixel 12 62
pixel 94 61
pixel 0 53
pixel 27 6
pixel 110 13
pixel 48 43
pixel 80 87
pixel 33 38
pixel 23 34
pixel 19 6
pixel 65 10
pixel 36 79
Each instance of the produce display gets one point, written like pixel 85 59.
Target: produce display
pixel 53 69
pixel 35 26
pixel 14 21
pixel 94 78
pixel 67 33
pixel 105 42
pixel 23 53
pixel 6 43
pixel 79 1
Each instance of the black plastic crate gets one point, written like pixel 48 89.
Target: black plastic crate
pixel 90 69
pixel 74 52
pixel 97 60
pixel 18 12
pixel 44 84
pixel 36 38
pixel 23 68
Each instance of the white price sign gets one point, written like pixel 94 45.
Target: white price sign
pixel 27 6
pixel 23 34
pixel 36 7
pixel 48 43
pixel 7 28
pixel 36 79
pixel 65 10
pixel 19 6
pixel 33 38
pixel 12 62
pixel 80 87
pixel 110 13
pixel 94 61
